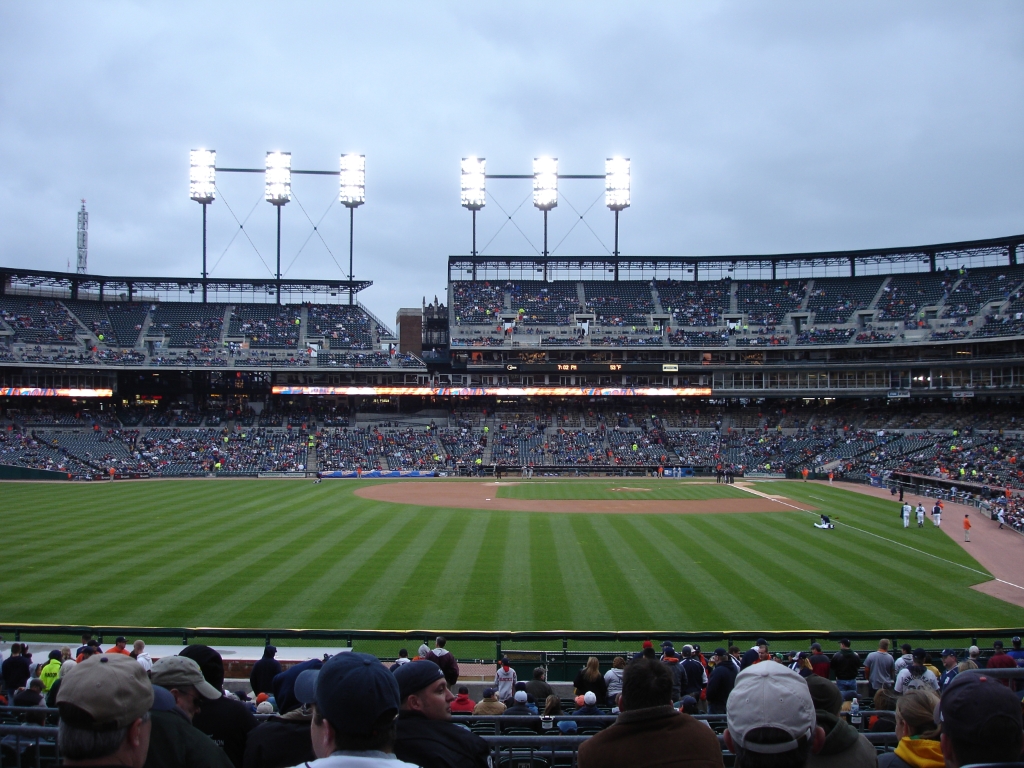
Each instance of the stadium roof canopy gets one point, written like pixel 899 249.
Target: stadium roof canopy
pixel 1000 251
pixel 71 285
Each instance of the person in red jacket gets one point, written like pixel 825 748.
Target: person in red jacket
pixel 462 702
pixel 820 663
pixel 1001 660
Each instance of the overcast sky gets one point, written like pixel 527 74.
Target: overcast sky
pixel 752 128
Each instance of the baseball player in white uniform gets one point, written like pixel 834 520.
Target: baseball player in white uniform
pixel 920 515
pixel 906 514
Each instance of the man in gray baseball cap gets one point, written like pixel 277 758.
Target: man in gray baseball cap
pixel 184 679
pixel 104 712
pixel 771 718
pixel 355 705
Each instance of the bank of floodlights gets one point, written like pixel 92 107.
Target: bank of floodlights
pixel 616 189
pixel 278 178
pixel 545 178
pixel 202 187
pixel 277 190
pixel 474 188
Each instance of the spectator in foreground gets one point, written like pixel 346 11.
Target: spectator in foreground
pixel 32 696
pixel 463 704
pixel 980 721
pixel 280 740
pixel 519 707
pixel 174 742
pixel 845 666
pixel 587 704
pixel 917 732
pixel 403 658
pixel 264 671
pixel 426 735
pixel 950 670
pixel 1001 660
pixel 50 671
pixel 538 687
pixel 15 669
pixel 771 719
pixel 489 704
pixel 884 719
pixel 183 678
pixel 355 703
pixel 104 713
pixel 906 659
pixel 916 676
pixel 821 663
pixel 120 646
pixel 844 746
pixel 224 719
pixel 649 731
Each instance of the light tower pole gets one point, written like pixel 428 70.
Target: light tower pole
pixel 616 189
pixel 474 188
pixel 545 189
pixel 278 192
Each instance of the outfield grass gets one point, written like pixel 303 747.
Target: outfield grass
pixel 649 489
pixel 252 553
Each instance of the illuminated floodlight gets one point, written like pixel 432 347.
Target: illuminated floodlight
pixel 616 183
pixel 278 178
pixel 545 182
pixel 202 175
pixel 473 182
pixel 352 192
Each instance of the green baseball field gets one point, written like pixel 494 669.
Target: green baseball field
pixel 293 554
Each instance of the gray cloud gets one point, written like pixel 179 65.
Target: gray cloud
pixel 752 128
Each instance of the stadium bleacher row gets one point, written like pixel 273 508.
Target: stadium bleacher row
pixel 77 332
pixel 945 306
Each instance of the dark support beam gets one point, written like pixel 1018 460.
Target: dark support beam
pixel 101 290
pixel 696 265
pixel 931 261
pixel 853 267
pixel 775 265
pixel 74 290
pixel 1013 254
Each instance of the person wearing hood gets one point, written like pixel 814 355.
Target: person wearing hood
pixel 284 685
pixel 224 719
pixel 264 671
pixel 844 746
pixel 50 671
pixel 65 667
pixel 141 655
pixel 463 704
pixel 919 745
pixel 445 660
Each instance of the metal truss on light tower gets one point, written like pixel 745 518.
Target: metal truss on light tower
pixel 277 172
pixel 545 178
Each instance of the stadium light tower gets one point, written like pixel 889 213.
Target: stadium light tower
pixel 202 187
pixel 352 194
pixel 278 192
pixel 545 188
pixel 616 189
pixel 474 187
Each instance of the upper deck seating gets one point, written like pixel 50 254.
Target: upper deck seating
pixel 266 326
pixel 619 303
pixel 38 321
pixel 478 302
pixel 188 324
pixel 980 286
pixel 694 303
pixel 342 326
pixel 834 299
pixel 767 302
pixel 905 295
pixel 538 302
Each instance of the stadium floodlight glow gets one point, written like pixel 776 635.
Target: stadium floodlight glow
pixel 352 190
pixel 278 178
pixel 474 183
pixel 616 183
pixel 545 182
pixel 202 175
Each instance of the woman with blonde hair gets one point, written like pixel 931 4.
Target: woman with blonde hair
pixel 552 706
pixel 590 679
pixel 963 666
pixel 918 733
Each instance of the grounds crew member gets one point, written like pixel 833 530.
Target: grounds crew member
pixel 51 671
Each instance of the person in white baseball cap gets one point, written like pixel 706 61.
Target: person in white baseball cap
pixel 770 718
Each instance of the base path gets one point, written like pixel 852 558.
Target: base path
pixel 998 551
pixel 484 495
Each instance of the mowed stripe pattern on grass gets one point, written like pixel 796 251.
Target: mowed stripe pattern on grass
pixel 252 553
pixel 644 489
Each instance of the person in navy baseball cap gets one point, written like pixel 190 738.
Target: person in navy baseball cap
pixel 356 703
pixel 980 720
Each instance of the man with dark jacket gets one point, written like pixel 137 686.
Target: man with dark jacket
pixel 649 731
pixel 174 742
pixel 226 720
pixel 538 687
pixel 426 735
pixel 844 746
pixel 820 663
pixel 284 685
pixel 723 678
pixel 280 741
pixel 692 677
pixel 845 666
pixel 15 669
pixel 752 655
pixel 263 672
pixel 444 659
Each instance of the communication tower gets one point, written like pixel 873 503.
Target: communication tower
pixel 83 240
